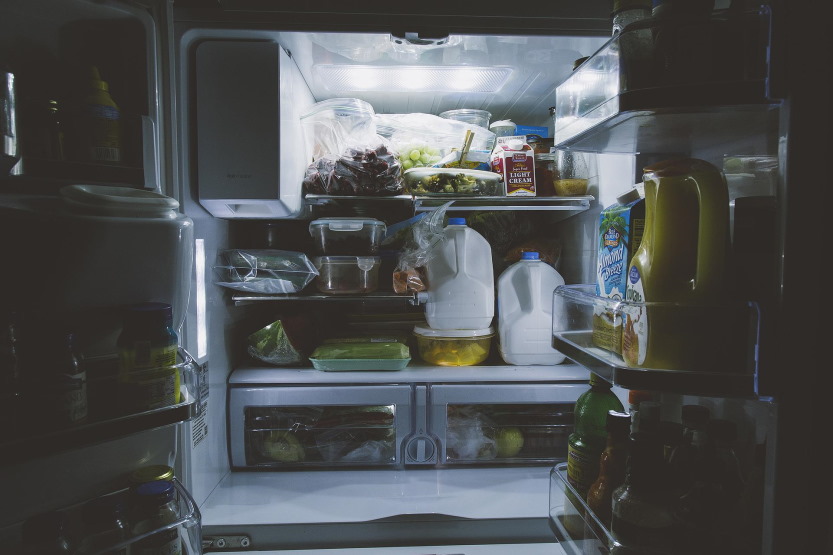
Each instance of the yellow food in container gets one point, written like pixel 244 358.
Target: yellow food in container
pixel 453 347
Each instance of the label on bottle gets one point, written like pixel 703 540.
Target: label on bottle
pixel 104 133
pixel 582 468
pixel 635 333
pixel 148 376
pixel 67 396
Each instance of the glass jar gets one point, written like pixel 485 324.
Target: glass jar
pixel 148 375
pixel 154 508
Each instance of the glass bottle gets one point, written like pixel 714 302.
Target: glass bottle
pixel 147 346
pixel 105 526
pixel 611 465
pixel 641 507
pixel 154 507
pixel 46 534
pixel 586 443
pixel 58 378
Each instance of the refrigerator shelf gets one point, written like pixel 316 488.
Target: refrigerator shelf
pixel 720 370
pixel 103 423
pixel 425 203
pixel 376 296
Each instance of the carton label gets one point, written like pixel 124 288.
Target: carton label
pixel 514 159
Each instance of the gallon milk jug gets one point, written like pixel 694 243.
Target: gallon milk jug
pixel 524 308
pixel 677 283
pixel 461 283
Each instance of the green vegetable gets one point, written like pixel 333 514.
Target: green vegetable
pixel 331 351
pixel 282 446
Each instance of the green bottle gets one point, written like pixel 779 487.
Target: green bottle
pixel 586 443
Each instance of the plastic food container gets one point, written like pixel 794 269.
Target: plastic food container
pixel 353 236
pixel 474 117
pixel 452 181
pixel 453 347
pixel 347 275
pixel 358 356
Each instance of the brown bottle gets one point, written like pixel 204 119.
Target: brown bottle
pixel 611 465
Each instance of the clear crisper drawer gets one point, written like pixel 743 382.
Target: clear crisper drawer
pixel 510 425
pixel 281 428
pixel 698 349
pixel 79 523
pixel 681 62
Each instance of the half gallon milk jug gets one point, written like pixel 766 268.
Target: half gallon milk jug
pixel 461 283
pixel 524 308
pixel 677 317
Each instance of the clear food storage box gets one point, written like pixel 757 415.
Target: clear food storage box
pixel 360 355
pixel 347 236
pixel 452 181
pixel 453 347
pixel 347 275
pixel 705 349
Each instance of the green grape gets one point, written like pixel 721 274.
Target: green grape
pixel 407 164
pixel 415 154
pixel 425 158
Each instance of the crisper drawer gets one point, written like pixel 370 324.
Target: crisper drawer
pixel 506 424
pixel 292 427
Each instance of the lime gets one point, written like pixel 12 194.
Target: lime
pixel 509 442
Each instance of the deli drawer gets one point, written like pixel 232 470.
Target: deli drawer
pixel 513 424
pixel 292 427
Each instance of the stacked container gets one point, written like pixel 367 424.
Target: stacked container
pixel 349 263
pixel 461 299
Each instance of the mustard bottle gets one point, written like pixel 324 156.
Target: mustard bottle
pixel 680 270
pixel 100 132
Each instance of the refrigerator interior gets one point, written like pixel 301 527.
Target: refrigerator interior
pixel 500 504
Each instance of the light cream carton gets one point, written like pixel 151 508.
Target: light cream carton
pixel 514 159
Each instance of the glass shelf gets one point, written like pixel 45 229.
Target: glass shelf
pixel 32 441
pixel 426 203
pixel 727 368
pixel 377 296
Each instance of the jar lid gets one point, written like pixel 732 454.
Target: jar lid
pixel 151 473
pixel 363 262
pixel 338 223
pixel 426 331
pixel 158 491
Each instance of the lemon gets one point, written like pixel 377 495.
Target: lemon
pixel 509 441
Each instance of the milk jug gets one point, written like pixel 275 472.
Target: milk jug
pixel 525 311
pixel 461 283
pixel 677 280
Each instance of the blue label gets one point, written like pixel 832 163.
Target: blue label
pixel 633 275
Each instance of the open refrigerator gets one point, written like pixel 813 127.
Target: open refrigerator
pixel 211 94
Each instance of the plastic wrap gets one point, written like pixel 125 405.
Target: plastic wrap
pixel 426 234
pixel 371 169
pixel 264 271
pixel 470 436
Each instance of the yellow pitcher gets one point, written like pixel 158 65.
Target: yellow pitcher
pixel 677 315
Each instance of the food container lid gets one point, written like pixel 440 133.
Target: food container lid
pixel 425 331
pixel 347 223
pixel 466 114
pixel 502 123
pixel 363 262
pixel 414 174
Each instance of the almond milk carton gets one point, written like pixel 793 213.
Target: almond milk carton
pixel 514 159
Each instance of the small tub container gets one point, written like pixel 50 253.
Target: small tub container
pixel 467 115
pixel 347 275
pixel 453 347
pixel 347 236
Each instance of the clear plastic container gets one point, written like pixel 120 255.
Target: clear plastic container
pixel 453 347
pixel 475 117
pixel 347 275
pixel 333 125
pixel 452 182
pixel 351 236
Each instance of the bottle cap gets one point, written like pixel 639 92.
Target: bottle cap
pixel 618 422
pixel 456 221
pixel 636 396
pixel 595 379
pixel 529 255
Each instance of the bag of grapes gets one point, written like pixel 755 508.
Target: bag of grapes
pixel 361 170
pixel 429 140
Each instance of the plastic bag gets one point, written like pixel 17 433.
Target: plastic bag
pixel 264 271
pixel 470 436
pixel 332 126
pixel 428 140
pixel 359 171
pixel 426 234
pixel 282 343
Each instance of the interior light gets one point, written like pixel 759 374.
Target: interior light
pixel 345 78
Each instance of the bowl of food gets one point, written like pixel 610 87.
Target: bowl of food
pixel 452 182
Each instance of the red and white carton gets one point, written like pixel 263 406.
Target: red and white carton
pixel 514 159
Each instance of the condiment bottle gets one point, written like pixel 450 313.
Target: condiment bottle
pixel 154 507
pixel 98 129
pixel 586 443
pixel 58 378
pixel 148 375
pixel 611 465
